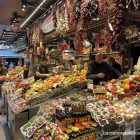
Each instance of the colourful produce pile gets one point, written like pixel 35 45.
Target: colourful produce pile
pixel 119 88
pixel 3 78
pixel 54 82
pixel 78 116
pixel 16 70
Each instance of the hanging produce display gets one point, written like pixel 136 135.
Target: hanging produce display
pixel 41 49
pixel 78 10
pixel 30 34
pixel 67 20
pixel 90 10
pixel 107 40
pixel 34 38
pixel 27 53
pixel 103 41
pixel 61 23
pixel 78 41
pixel 69 12
pixel 119 25
pixel 103 7
pixel 54 17
pixel 135 3
pixel 37 37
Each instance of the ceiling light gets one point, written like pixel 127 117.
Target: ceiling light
pixel 33 13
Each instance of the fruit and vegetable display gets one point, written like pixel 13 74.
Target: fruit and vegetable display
pixel 16 70
pixel 14 75
pixel 126 87
pixel 137 68
pixel 14 91
pixel 54 85
pixel 3 78
pixel 79 116
pixel 8 87
pixel 41 128
pixel 23 95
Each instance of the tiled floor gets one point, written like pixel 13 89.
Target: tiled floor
pixel 2 132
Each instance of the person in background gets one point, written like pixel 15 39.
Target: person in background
pixel 20 63
pixel 7 65
pixel 26 70
pixel 99 71
pixel 3 70
pixel 41 70
pixel 11 65
pixel 111 61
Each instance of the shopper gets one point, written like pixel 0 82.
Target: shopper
pixel 112 62
pixel 7 65
pixel 41 70
pixel 26 70
pixel 3 70
pixel 20 63
pixel 100 71
pixel 11 65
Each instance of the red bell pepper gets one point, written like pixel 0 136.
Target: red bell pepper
pixel 133 87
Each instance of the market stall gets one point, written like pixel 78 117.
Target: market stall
pixel 60 106
pixel 22 99
pixel 89 115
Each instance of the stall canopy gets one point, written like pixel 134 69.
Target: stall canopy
pixel 10 53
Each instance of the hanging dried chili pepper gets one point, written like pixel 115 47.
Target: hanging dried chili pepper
pixel 119 25
pixel 103 7
pixel 53 14
pixel 78 41
pixel 70 12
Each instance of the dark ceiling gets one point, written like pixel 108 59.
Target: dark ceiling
pixel 8 7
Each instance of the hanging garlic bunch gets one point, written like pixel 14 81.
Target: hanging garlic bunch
pixel 136 3
pixel 61 24
pixel 66 19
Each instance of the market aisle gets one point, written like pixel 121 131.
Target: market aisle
pixel 2 123
pixel 4 131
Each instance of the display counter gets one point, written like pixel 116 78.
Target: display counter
pixel 100 115
pixel 15 121
pixel 18 119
